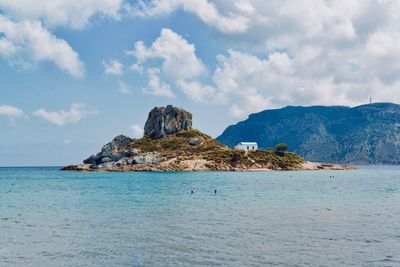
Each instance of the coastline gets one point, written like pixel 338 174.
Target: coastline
pixel 170 144
pixel 205 166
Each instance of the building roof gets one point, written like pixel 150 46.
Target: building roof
pixel 248 144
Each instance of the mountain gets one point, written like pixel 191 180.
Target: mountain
pixel 171 144
pixel 367 134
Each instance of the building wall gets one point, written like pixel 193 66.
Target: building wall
pixel 241 147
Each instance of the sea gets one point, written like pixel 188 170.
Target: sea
pixel 50 217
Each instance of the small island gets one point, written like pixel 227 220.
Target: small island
pixel 171 144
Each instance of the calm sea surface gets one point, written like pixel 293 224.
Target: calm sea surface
pixel 54 218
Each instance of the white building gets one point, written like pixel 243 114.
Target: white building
pixel 247 146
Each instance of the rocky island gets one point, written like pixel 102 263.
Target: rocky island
pixel 171 144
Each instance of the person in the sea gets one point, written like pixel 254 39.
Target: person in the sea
pixel 215 191
pixel 192 191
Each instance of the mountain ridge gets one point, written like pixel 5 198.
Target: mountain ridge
pixel 365 134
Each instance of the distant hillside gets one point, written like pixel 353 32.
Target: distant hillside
pixel 368 134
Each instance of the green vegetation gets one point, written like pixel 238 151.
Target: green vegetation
pixel 281 148
pixel 177 146
pixel 270 157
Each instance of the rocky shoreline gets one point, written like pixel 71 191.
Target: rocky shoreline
pixel 171 145
pixel 196 166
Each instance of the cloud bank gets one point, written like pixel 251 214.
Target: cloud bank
pixel 26 43
pixel 28 26
pixel 74 14
pixel 205 10
pixel 301 52
pixel 11 111
pixel 282 52
pixel 75 114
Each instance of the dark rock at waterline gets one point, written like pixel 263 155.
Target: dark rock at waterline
pixel 117 149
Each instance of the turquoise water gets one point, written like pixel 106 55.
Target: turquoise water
pixel 54 218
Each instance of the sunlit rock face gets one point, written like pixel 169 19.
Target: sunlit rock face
pixel 163 121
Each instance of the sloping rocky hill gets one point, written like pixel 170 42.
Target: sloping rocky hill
pixel 368 134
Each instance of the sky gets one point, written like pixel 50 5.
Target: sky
pixel 76 73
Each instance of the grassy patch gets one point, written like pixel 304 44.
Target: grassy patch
pixel 177 146
pixel 281 160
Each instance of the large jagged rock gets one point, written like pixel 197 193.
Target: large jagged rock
pixel 117 149
pixel 163 121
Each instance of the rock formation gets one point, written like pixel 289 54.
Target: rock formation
pixel 112 152
pixel 167 120
pixel 162 121
pixel 170 144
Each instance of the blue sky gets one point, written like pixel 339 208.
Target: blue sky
pixel 73 74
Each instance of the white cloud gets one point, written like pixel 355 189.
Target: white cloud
pixel 137 131
pixel 253 84
pixel 71 13
pixel 155 86
pixel 11 111
pixel 123 88
pixel 245 6
pixel 196 91
pixel 75 114
pixel 7 48
pixel 301 52
pixel 179 58
pixel 113 67
pixel 206 11
pixel 179 65
pixel 67 142
pixel 381 49
pixel 284 52
pixel 136 67
pixel 27 42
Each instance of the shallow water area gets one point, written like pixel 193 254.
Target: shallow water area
pixel 307 218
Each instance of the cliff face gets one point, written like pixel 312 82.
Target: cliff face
pixel 368 134
pixel 163 121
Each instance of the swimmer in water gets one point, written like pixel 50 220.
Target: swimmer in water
pixel 192 191
pixel 215 191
